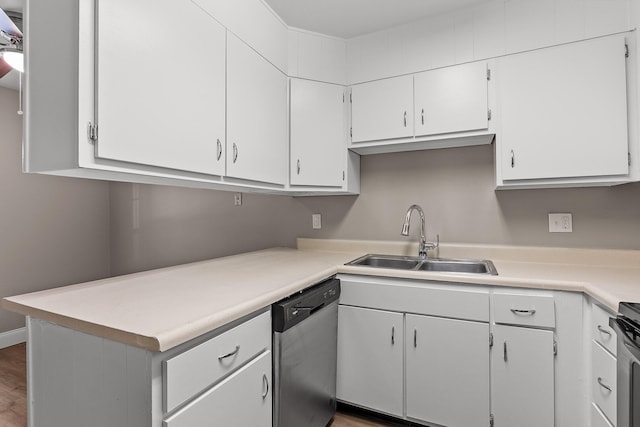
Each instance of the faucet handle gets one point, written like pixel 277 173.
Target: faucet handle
pixel 431 246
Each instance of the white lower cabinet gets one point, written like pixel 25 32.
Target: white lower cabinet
pixel 447 368
pixel 370 359
pixel 522 377
pixel 222 378
pixel 243 399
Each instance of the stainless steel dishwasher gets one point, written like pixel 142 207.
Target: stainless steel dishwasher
pixel 305 342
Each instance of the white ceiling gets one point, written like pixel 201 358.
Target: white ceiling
pixel 350 18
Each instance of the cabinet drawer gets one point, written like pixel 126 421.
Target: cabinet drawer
pixel 597 417
pixel 190 372
pixel 243 399
pixel 525 310
pixel 409 296
pixel 603 380
pixel 600 330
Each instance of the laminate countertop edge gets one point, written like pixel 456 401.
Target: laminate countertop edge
pixel 160 309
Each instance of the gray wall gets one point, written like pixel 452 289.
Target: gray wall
pixel 156 226
pixel 456 188
pixel 53 231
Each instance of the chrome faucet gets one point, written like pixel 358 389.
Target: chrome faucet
pixel 424 246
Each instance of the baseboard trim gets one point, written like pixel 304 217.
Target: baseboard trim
pixel 16 336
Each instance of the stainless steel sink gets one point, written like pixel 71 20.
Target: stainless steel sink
pixel 427 264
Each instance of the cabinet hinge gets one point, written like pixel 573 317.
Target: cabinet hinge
pixel 555 348
pixel 92 133
pixel 626 50
pixel 489 114
pixel 488 74
pixel 491 420
pixel 490 339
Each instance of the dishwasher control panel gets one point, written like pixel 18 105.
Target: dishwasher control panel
pixel 294 309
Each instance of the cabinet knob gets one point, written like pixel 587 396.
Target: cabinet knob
pixel 528 312
pixel 219 154
pixel 405 119
pixel 231 353
pixel 513 159
pixel 393 335
pixel 422 115
pixel 298 166
pixel 415 338
pixel 235 152
pixel 504 350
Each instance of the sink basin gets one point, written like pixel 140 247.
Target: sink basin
pixel 471 266
pixel 381 261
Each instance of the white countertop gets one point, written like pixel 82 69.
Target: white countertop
pixel 162 308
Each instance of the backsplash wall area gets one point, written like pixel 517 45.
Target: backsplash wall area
pixel 456 188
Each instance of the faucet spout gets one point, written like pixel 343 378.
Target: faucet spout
pixel 422 249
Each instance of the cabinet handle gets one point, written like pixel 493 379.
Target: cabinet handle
pixel 405 119
pixel 219 150
pixel 235 152
pixel 504 350
pixel 298 166
pixel 529 312
pixel 265 382
pixel 415 338
pixel 603 330
pixel 513 159
pixel 393 335
pixel 603 385
pixel 422 114
pixel 233 353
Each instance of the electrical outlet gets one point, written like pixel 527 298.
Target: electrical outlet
pixel 316 220
pixel 560 223
pixel 237 199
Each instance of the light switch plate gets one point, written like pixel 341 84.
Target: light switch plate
pixel 316 220
pixel 560 223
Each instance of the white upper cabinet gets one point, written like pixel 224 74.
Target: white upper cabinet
pixel 160 101
pixel 257 135
pixel 318 133
pixel 382 109
pixel 451 99
pixel 563 113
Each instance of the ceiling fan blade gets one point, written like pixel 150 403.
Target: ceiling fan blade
pixel 4 67
pixel 8 26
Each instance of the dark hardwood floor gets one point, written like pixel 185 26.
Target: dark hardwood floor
pixel 13 395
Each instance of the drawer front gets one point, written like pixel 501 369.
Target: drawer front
pixel 243 399
pixel 600 330
pixel 603 381
pixel 188 373
pixel 430 298
pixel 597 417
pixel 525 310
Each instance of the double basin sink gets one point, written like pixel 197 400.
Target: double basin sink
pixel 426 264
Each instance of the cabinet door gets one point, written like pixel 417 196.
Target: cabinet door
pixel 563 111
pixel 370 359
pixel 451 99
pixel 257 143
pixel 318 133
pixel 243 399
pixel 522 377
pixel 161 101
pixel 382 109
pixel 447 368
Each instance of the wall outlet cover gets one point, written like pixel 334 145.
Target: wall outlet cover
pixel 560 223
